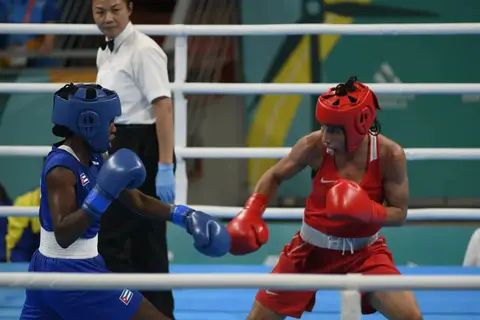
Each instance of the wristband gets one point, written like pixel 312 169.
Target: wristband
pixel 96 203
pixel 178 214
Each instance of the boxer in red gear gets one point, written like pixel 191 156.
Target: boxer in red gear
pixel 360 185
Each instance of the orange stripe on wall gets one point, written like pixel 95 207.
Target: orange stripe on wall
pixel 82 75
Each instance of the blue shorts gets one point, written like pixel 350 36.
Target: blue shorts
pixel 76 304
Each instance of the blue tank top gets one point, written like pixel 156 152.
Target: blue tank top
pixel 85 176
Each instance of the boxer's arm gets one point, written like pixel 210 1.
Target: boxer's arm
pixel 301 155
pixel 69 222
pixel 210 236
pixel 395 186
pixel 145 205
pixel 248 231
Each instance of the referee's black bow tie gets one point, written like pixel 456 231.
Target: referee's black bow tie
pixel 108 44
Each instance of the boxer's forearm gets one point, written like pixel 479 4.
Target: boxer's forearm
pixel 71 227
pixel 145 205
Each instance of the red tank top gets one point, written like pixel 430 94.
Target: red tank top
pixel 322 182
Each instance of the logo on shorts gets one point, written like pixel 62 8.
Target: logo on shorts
pixel 84 179
pixel 126 296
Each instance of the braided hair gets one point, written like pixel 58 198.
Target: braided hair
pixel 342 89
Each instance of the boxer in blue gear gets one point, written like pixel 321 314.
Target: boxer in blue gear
pixel 77 186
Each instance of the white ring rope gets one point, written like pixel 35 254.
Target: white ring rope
pixel 105 281
pixel 247 152
pixel 35 151
pixel 257 30
pixel 414 215
pixel 411 153
pixel 316 88
pixel 294 214
pixel 272 88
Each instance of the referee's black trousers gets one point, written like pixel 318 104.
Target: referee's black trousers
pixel 127 241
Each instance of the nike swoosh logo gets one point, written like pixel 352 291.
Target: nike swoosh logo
pixel 271 292
pixel 322 180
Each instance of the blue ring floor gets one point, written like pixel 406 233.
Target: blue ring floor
pixel 233 304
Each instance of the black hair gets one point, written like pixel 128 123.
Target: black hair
pixel 70 89
pixel 343 89
pixel 65 92
pixel 128 3
pixel 61 131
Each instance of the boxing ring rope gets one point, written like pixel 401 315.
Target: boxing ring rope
pixel 381 29
pixel 273 88
pixel 349 285
pixel 105 281
pixel 296 214
pixel 250 153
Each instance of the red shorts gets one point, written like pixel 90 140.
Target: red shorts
pixel 301 257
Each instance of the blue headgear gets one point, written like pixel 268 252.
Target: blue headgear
pixel 87 110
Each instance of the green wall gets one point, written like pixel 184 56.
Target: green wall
pixel 25 120
pixel 413 121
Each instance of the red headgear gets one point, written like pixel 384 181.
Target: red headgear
pixel 351 105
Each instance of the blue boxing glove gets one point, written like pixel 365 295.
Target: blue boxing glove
pixel 165 182
pixel 122 170
pixel 210 237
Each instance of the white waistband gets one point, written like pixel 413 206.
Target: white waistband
pixel 322 240
pixel 80 249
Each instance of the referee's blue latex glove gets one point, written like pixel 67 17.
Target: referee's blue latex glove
pixel 165 182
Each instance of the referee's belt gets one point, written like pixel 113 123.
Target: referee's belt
pixel 322 240
pixel 134 125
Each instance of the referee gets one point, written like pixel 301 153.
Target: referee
pixel 132 64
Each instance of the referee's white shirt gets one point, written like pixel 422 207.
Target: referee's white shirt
pixel 137 71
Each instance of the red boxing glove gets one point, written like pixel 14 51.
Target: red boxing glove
pixel 346 199
pixel 248 230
